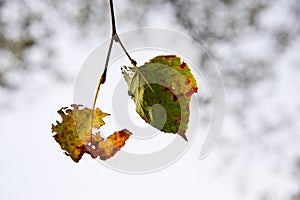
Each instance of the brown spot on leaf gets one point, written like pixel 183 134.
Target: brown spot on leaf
pixel 176 120
pixel 174 97
pixel 183 65
pixel 169 56
pixel 187 82
pixel 190 92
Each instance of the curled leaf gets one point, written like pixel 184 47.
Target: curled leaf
pixel 74 134
pixel 161 90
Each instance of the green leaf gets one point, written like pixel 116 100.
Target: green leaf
pixel 161 90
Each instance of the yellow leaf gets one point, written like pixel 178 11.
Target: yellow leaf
pixel 74 134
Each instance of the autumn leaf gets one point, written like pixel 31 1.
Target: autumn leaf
pixel 161 90
pixel 74 135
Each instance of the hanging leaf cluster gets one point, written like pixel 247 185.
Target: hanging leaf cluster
pixel 161 89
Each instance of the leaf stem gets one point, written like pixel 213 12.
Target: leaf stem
pixel 103 76
pixel 117 39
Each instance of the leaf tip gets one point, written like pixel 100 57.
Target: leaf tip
pixel 183 136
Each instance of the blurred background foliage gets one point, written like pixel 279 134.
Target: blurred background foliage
pixel 215 24
pixel 256 44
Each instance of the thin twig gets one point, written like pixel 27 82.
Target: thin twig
pixel 103 76
pixel 113 21
pixel 102 79
pixel 100 82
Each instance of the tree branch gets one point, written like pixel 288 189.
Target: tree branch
pixel 113 21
